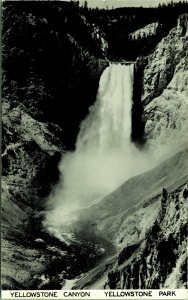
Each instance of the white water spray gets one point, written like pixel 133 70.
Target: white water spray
pixel 104 157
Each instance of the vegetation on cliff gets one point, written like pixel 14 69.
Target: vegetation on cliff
pixel 53 56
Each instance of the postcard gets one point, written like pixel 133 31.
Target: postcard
pixel 94 149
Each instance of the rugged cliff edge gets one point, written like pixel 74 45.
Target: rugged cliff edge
pixel 160 222
pixel 160 260
pixel 34 138
pixel 165 86
pixel 50 79
pixel 141 220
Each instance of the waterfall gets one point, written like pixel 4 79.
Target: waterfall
pixel 108 124
pixel 104 157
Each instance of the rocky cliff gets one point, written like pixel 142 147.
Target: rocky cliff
pixel 160 261
pixel 30 155
pixel 33 135
pixel 164 97
pixel 143 221
pixel 159 223
pixel 165 86
pixel 50 78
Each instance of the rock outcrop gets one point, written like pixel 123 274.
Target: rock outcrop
pixel 51 73
pixel 160 261
pixel 165 87
pixel 146 31
pixel 30 156
pixel 40 122
pixel 141 223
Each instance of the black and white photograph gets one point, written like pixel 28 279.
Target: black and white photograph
pixel 94 147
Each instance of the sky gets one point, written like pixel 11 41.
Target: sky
pixel 122 3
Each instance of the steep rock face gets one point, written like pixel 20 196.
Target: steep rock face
pixel 30 156
pixel 147 30
pixel 42 82
pixel 162 256
pixel 97 35
pixel 141 223
pixel 166 115
pixel 47 67
pixel 162 63
pixel 49 63
pixel 124 215
pixel 165 86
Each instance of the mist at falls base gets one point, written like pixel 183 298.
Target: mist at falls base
pixel 104 157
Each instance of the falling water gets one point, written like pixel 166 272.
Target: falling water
pixel 104 157
pixel 108 124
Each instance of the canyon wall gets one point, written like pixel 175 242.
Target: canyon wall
pixel 49 82
pixel 50 79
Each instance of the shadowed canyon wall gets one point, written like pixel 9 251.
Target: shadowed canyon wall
pixel 53 57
